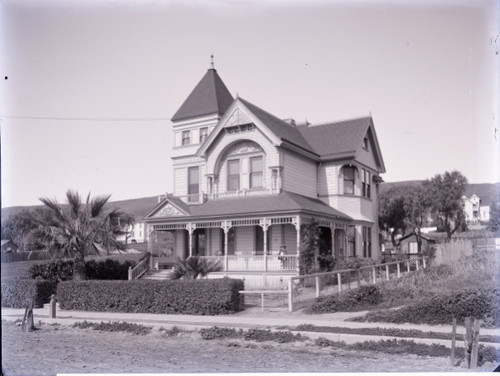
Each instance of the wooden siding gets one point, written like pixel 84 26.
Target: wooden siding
pixel 329 178
pixel 180 243
pixel 245 240
pixel 180 181
pixel 216 239
pixel 299 175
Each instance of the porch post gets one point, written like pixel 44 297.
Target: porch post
pixel 297 222
pixel 265 225
pixel 332 234
pixel 190 227
pixel 226 225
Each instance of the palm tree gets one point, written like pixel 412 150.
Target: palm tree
pixel 74 229
pixel 194 268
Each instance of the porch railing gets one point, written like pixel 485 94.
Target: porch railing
pixel 144 265
pixel 253 263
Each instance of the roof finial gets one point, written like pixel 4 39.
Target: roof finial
pixel 212 61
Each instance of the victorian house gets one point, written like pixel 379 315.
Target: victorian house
pixel 245 181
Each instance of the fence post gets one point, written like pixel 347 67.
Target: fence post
pixel 453 338
pixel 317 286
pixel 387 271
pixel 416 264
pixel 52 306
pixel 399 270
pixel 290 295
pixel 339 281
pixel 423 262
pixel 129 273
pixel 374 273
pixel 408 266
pixel 475 344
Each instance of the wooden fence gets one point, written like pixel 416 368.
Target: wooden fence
pixel 25 256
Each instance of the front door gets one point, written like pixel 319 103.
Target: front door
pixel 200 241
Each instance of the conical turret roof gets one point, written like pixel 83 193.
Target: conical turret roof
pixel 210 96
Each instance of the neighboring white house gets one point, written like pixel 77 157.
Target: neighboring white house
pixel 245 181
pixel 135 233
pixel 474 211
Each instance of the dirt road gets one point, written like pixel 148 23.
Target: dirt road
pixel 61 349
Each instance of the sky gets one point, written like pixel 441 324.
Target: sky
pixel 88 87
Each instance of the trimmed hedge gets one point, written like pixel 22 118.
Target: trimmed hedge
pixel 196 297
pixel 18 293
pixel 482 304
pixel 63 270
pixel 352 300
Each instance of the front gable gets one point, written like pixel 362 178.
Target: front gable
pixel 368 151
pixel 237 119
pixel 166 209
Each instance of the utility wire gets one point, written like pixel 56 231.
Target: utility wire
pixel 56 118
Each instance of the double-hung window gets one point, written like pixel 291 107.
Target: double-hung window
pixel 233 175
pixel 186 137
pixel 256 172
pixel 349 180
pixel 203 134
pixel 193 183
pixel 367 241
pixel 366 176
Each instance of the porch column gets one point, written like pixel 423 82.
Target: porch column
pixel 226 225
pixel 297 222
pixel 332 234
pixel 190 227
pixel 150 239
pixel 265 225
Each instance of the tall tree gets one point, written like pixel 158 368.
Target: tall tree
pixel 392 212
pixel 73 230
pixel 445 192
pixel 417 207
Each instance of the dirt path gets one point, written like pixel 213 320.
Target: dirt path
pixel 61 349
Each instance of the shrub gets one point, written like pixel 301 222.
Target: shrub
pixel 351 300
pixel 18 293
pixel 201 297
pixel 57 270
pixel 63 270
pixel 116 326
pixel 482 304
pixel 258 335
pixel 108 269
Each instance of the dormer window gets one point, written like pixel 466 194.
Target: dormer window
pixel 348 180
pixel 186 137
pixel 203 134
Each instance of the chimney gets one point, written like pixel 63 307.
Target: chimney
pixel 290 121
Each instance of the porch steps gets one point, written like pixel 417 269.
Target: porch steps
pixel 161 274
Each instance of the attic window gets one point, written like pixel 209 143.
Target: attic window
pixel 365 143
pixel 186 137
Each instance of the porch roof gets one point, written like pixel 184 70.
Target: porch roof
pixel 285 202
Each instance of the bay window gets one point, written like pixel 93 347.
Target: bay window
pixel 233 175
pixel 256 167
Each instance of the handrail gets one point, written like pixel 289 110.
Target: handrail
pixel 141 268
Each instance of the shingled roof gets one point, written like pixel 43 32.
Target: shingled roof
pixel 210 96
pixel 336 138
pixel 280 128
pixel 254 205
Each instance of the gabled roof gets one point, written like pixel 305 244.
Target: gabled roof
pixel 253 205
pixel 336 138
pixel 280 128
pixel 210 96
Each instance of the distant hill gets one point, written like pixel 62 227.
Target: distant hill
pixel 486 191
pixel 140 207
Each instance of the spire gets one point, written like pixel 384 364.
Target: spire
pixel 212 62
pixel 210 96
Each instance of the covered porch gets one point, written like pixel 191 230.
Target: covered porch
pixel 268 243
